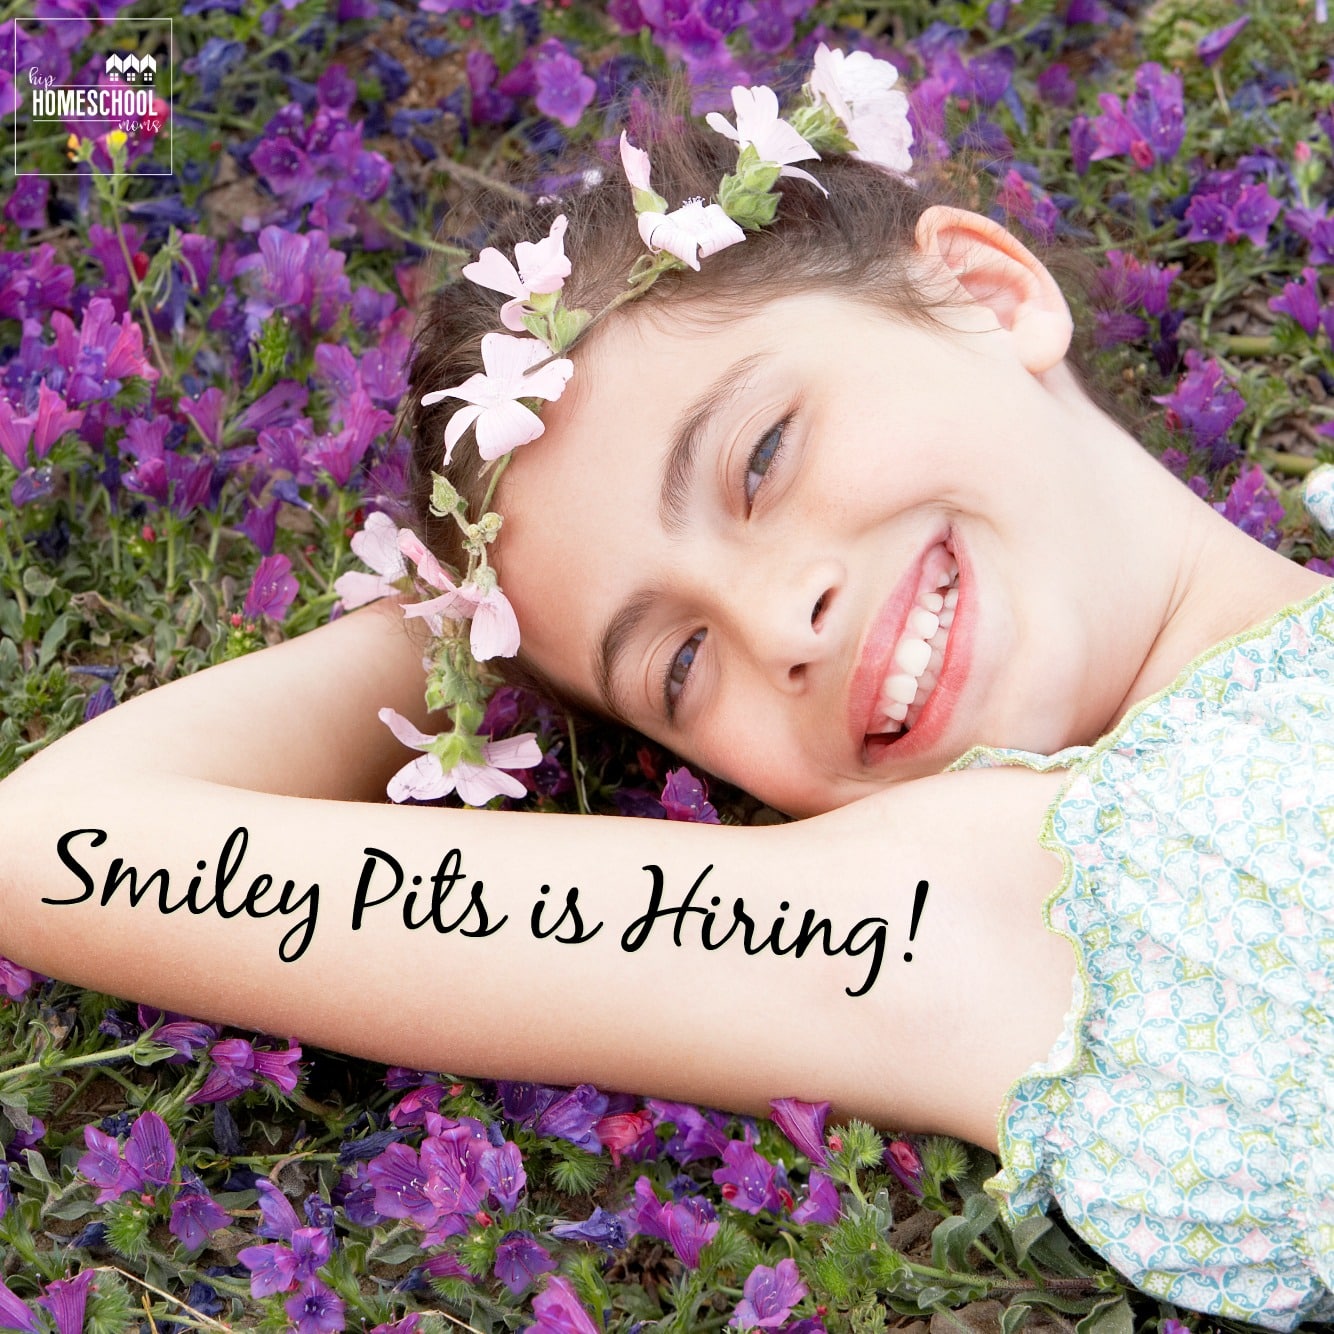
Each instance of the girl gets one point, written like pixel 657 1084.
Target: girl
pixel 827 510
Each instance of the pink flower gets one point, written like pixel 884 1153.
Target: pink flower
pixel 425 778
pixel 635 164
pixel 53 418
pixel 857 88
pixel 691 233
pixel 495 628
pixel 542 268
pixel 759 125
pixel 502 422
pixel 377 546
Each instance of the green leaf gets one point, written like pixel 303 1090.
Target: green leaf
pixel 1013 1317
pixel 1027 1232
pixel 36 582
pixel 1111 1317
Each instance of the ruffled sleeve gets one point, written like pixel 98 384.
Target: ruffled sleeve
pixel 1184 1122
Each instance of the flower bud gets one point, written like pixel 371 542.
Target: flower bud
pixel 444 498
pixel 489 525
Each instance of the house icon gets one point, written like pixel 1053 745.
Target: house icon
pixel 130 68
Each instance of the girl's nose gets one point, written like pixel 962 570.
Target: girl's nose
pixel 785 621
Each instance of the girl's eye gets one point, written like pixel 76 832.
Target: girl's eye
pixel 678 672
pixel 762 457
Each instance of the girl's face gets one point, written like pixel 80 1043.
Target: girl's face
pixel 770 544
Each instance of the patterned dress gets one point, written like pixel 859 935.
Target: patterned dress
pixel 1184 1122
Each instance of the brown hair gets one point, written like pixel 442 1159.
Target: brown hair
pixel 858 240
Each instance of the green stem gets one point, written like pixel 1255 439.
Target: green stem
pixel 496 474
pixel 69 1063
pixel 576 772
pixel 1291 465
pixel 1246 345
pixel 140 296
pixel 16 582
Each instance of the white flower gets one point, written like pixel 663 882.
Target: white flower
pixel 494 632
pixel 542 268
pixel 759 124
pixel 377 546
pixel 503 423
pixel 635 163
pixel 692 232
pixel 426 779
pixel 859 90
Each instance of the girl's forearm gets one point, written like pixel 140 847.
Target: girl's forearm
pixel 712 964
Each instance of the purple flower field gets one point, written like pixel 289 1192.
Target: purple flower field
pixel 204 323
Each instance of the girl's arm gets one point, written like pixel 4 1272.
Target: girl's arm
pixel 196 848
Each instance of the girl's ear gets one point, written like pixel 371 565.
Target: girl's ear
pixel 982 266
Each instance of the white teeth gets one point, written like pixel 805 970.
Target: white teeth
pixel 922 623
pixel 901 689
pixel 913 655
pixel 918 657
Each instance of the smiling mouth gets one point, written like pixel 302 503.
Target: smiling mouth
pixel 915 664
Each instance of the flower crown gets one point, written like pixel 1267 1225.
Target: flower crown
pixel 850 105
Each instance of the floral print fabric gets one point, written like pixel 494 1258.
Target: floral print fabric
pixel 1184 1123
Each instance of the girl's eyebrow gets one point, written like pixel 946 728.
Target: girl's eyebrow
pixel 678 477
pixel 678 469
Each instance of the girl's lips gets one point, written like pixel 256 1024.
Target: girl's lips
pixel 875 661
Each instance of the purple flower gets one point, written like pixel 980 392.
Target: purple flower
pixel 272 590
pixel 26 207
pixel 769 1296
pixel 502 1168
pixel 66 1300
pixel 315 1309
pixel 601 1228
pixel 803 1123
pixel 1301 301
pixel 281 406
pixel 686 797
pixel 272 1268
pixel 101 1164
pixel 1223 209
pixel 99 702
pixel 1253 507
pixel 400 1186
pixel 1128 283
pixel 16 982
pixel 15 1314
pixel 822 1203
pixel 185 1036
pixel 748 1179
pixel 239 1067
pixel 520 1259
pixel 563 89
pixel 558 1310
pixel 6 1193
pixel 1056 87
pixel 1316 230
pixel 570 1114
pixel 150 1155
pixel 1206 405
pixel 1212 45
pixel 699 1133
pixel 690 1224
pixel 194 1214
pixel 1150 128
